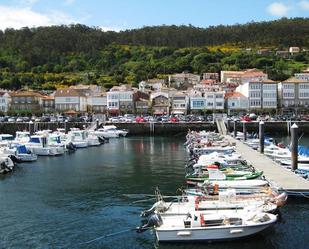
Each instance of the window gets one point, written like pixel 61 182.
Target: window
pixel 198 103
pixel 113 104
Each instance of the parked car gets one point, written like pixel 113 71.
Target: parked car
pixel 19 119
pixel 11 119
pixel 245 118
pixel 140 120
pixel 60 119
pixel 53 119
pixel 26 119
pixel 174 120
pixel 114 119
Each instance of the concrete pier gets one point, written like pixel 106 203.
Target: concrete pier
pixel 278 176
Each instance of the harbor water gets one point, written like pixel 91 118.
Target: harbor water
pixel 67 201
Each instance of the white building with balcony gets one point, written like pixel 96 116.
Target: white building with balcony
pixel 70 99
pixel 120 99
pixel 293 94
pixel 260 94
pixel 214 100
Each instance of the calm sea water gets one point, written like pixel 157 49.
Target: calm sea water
pixel 60 202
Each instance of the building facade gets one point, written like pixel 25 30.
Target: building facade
pixel 260 94
pixel 180 103
pixel 120 100
pixel 160 103
pixel 70 99
pixel 293 95
pixel 28 101
pixel 235 102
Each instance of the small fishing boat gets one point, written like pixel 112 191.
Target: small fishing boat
pixel 215 174
pixel 20 152
pixel 208 227
pixel 6 164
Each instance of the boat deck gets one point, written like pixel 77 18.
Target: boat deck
pixel 278 176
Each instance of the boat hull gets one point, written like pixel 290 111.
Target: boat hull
pixel 209 233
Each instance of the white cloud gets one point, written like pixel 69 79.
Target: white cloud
pixel 278 9
pixel 105 28
pixel 304 4
pixel 15 17
pixel 69 2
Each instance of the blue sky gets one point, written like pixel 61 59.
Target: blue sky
pixel 127 14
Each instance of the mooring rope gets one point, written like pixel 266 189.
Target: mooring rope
pixel 106 236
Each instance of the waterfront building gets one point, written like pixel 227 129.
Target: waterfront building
pixel 70 99
pixel 142 102
pixel 29 101
pixel 180 103
pixel 97 103
pixel 5 101
pixel 293 95
pixel 235 101
pixel 260 94
pixel 48 103
pixel 160 103
pixel 120 100
pixel 214 100
pixel 196 100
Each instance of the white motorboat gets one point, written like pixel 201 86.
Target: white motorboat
pixel 20 152
pixel 6 139
pixel 38 145
pixel 22 137
pixel 54 141
pixel 110 131
pixel 78 138
pixel 208 227
pixel 92 139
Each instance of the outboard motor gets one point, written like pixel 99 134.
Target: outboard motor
pixel 158 206
pixel 14 159
pixel 71 147
pixel 155 220
pixel 4 167
pixel 101 140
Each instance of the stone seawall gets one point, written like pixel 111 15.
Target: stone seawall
pixel 164 129
pixel 11 128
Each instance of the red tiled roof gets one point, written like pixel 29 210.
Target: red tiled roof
pixel 233 94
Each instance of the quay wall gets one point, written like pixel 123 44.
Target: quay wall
pixel 165 129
